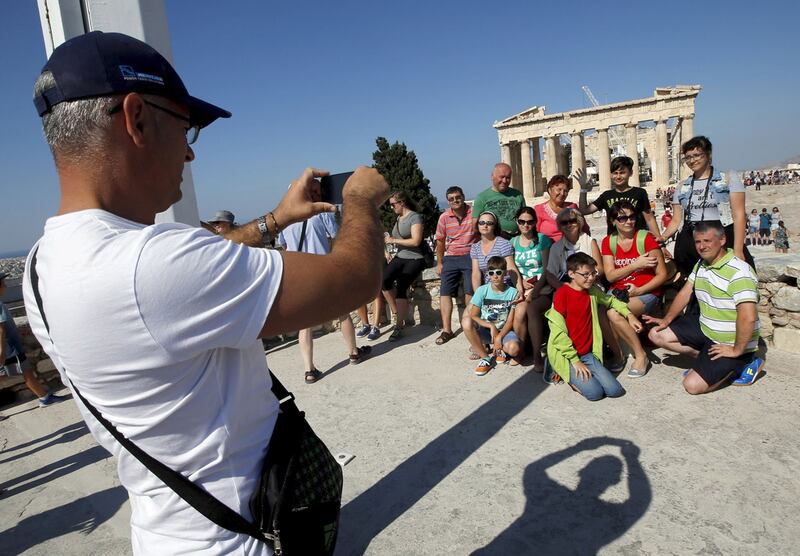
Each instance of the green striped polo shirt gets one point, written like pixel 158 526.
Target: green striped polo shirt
pixel 719 289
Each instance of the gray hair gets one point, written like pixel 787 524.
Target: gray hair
pixel 75 128
pixel 708 226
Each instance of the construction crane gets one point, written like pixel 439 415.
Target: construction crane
pixel 616 140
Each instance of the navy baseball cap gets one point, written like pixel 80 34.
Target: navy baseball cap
pixel 101 64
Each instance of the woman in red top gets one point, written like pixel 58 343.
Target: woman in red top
pixel 546 213
pixel 635 269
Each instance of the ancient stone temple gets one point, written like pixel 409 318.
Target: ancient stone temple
pixel 649 130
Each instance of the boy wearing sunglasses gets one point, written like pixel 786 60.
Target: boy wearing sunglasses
pixel 575 346
pixel 492 310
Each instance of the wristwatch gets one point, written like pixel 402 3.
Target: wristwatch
pixel 262 227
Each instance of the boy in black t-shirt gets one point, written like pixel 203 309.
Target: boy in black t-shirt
pixel 621 172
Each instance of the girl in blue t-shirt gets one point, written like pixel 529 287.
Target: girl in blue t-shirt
pixel 531 250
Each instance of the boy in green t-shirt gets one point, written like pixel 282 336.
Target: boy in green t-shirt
pixel 492 310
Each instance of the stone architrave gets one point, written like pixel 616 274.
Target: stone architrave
pixel 687 132
pixel 505 153
pixel 578 158
pixel 550 156
pixel 661 159
pixel 603 159
pixel 632 151
pixel 527 172
pixel 538 186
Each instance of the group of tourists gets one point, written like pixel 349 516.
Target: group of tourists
pixel 535 275
pixel 771 177
pixel 768 227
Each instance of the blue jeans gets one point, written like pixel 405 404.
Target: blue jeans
pixel 602 383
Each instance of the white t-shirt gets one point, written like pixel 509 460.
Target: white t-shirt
pixel 320 229
pixel 157 326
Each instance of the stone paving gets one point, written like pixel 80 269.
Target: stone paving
pixel 450 463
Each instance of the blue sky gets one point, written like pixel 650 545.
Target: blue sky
pixel 314 83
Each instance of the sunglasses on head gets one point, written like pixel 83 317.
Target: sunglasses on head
pixel 525 221
pixel 622 218
pixel 495 272
pixel 485 222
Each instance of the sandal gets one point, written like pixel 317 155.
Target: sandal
pixel 313 375
pixel 473 356
pixel 362 353
pixel 444 337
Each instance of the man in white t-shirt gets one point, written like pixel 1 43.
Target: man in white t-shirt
pixel 315 236
pixel 158 325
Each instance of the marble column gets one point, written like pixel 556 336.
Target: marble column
pixel 578 158
pixel 687 132
pixel 561 158
pixel 516 166
pixel 603 159
pixel 527 172
pixel 632 151
pixel 550 156
pixel 661 175
pixel 505 153
pixel 538 186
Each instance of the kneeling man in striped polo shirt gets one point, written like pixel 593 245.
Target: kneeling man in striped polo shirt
pixel 724 336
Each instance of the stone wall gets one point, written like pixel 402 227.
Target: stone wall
pixel 779 300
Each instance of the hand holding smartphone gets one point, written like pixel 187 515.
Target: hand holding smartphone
pixel 332 187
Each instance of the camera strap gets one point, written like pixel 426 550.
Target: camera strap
pixel 687 217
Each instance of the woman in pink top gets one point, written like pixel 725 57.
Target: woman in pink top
pixel 557 188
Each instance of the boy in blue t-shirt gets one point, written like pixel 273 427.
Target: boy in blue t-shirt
pixel 492 310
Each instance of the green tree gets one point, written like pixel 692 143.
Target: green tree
pixel 399 167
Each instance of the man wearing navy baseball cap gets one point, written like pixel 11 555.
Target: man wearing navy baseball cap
pixel 158 325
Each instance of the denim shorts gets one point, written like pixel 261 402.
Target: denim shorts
pixel 456 269
pixel 649 301
pixel 486 336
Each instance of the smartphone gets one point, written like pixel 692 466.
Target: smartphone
pixel 333 186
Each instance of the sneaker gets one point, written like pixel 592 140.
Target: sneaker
pixel 374 333
pixel 51 399
pixel 501 356
pixel 550 376
pixel 484 366
pixel 361 354
pixel 619 366
pixel 363 331
pixel 750 373
pixel 396 334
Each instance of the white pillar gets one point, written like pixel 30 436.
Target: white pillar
pixel 687 132
pixel 527 172
pixel 505 153
pixel 661 174
pixel 603 159
pixel 145 20
pixel 578 158
pixel 550 156
pixel 538 186
pixel 632 151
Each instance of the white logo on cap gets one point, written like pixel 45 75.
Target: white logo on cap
pixel 130 74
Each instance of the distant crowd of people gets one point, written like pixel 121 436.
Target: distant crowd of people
pixel 758 178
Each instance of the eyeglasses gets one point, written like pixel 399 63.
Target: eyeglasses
pixel 496 272
pixel 586 275
pixel 485 222
pixel 525 221
pixel 569 222
pixel 455 199
pixel 622 218
pixel 692 158
pixel 192 132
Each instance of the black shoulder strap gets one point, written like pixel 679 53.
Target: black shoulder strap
pixel 194 495
pixel 302 236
